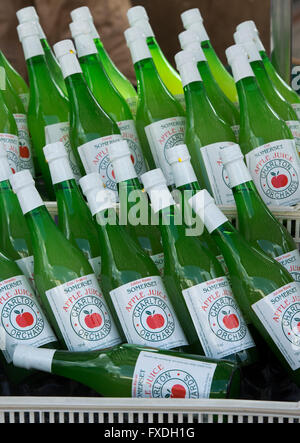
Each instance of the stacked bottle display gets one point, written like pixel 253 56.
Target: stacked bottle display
pixel 141 278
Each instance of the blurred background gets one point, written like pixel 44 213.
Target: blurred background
pixel 220 18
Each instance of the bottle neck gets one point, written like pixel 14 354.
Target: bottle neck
pixel 171 226
pixel 30 199
pixel 60 170
pixel 189 73
pixel 241 68
pixel 32 47
pixel 200 30
pixel 149 83
pixel 41 226
pixel 197 104
pixel 192 187
pixel 79 93
pixel 70 65
pixel 251 99
pixel 139 51
pixel 39 76
pixel 183 173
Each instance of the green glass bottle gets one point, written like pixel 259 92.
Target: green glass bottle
pixel 186 182
pixel 74 216
pixel 277 102
pixel 160 119
pixel 22 319
pixel 91 129
pixel 265 291
pixel 199 291
pixel 189 41
pixel 9 135
pixel 267 142
pixel 48 111
pixel 242 32
pixel 256 222
pixel 134 204
pixel 15 240
pixel 16 107
pixel 18 83
pixel 139 372
pixel 137 16
pixel 192 20
pixel 69 290
pixel 205 132
pixel 108 96
pixel 130 280
pixel 29 15
pixel 83 19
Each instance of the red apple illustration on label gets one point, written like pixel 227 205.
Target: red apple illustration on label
pixel 177 391
pixel 24 151
pixel 24 319
pixel 279 180
pixel 132 159
pixel 230 320
pixel 92 320
pixel 113 174
pixel 154 321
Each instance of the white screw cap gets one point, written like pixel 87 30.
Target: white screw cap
pixel 27 14
pixel 190 17
pixel 27 29
pixel 64 47
pixel 135 14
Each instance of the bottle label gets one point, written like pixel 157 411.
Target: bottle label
pixel 82 315
pixel 181 99
pixel 159 260
pixel 296 107
pixel 166 376
pixel 132 103
pixel 146 314
pixel 275 170
pixel 25 148
pixel 59 132
pixel 96 266
pixel 163 135
pixel 291 261
pixel 294 126
pixel 217 176
pixel 218 321
pixel 26 265
pixel 279 313
pixel 95 158
pixel 11 144
pixel 25 100
pixel 22 319
pixel 128 132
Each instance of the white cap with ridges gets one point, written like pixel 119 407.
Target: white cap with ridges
pixel 187 66
pixel 85 45
pixel 136 41
pixel 29 37
pixel 29 14
pixel 246 28
pixel 193 20
pixel 120 156
pixel 84 13
pixel 251 51
pixel 189 41
pixel 137 16
pixel 204 206
pixel 97 196
pixel 5 169
pixel 57 158
pixel 66 55
pixel 182 169
pixel 80 27
pixel 233 161
pixel 30 357
pixel 238 60
pixel 24 186
pixel 155 184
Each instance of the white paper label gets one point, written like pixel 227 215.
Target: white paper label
pixel 95 158
pixel 296 107
pixel 26 265
pixel 128 132
pixel 159 260
pixel 165 376
pixel 217 176
pixel 294 126
pixel 291 261
pixel 96 265
pixel 218 321
pixel 146 314
pixel 82 315
pixel 275 170
pixel 163 135
pixel 11 145
pixel 22 319
pixel 25 100
pixel 25 148
pixel 279 312
pixel 59 132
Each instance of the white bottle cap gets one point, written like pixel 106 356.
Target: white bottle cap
pixel 120 157
pixel 23 185
pixel 233 161
pixel 189 41
pixel 30 357
pixel 80 27
pixel 251 51
pixel 238 60
pixel 29 14
pixel 29 36
pixel 136 41
pixel 97 196
pixel 85 45
pixel 248 26
pixel 57 158
pixel 5 170
pixel 204 206
pixel 84 13
pixel 137 16
pixel 66 55
pixel 190 17
pixel 244 35
pixel 187 66
pixel 155 184
pixel 182 169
